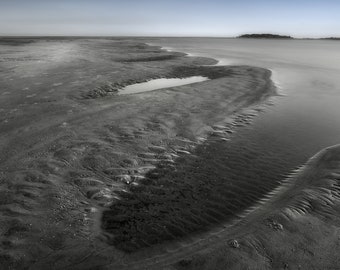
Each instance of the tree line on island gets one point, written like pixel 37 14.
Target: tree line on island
pixel 274 36
pixel 264 36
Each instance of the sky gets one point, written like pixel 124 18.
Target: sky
pixel 220 18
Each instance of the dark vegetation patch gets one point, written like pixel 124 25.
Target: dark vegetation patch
pixel 331 38
pixel 271 36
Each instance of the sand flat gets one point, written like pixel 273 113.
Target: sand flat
pixel 74 148
pixel 166 179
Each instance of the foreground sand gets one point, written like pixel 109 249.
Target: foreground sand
pixel 296 228
pixel 93 180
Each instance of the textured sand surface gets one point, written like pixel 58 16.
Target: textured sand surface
pixel 297 227
pixel 157 180
pixel 76 158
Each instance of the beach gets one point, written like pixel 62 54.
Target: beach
pixel 169 135
pixel 74 152
pixel 227 170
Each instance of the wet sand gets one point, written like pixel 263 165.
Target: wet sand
pixel 168 179
pixel 296 227
pixel 74 153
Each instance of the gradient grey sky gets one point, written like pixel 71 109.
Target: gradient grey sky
pixel 300 18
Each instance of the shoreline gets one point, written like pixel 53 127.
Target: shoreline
pixel 292 210
pixel 221 62
pixel 71 166
pixel 80 156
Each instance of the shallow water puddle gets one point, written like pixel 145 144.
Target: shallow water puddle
pixel 160 84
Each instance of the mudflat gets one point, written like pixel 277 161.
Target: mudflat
pixel 295 227
pixel 95 180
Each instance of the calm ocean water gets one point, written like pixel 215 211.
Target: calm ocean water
pixel 306 118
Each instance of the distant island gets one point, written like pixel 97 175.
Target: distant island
pixel 273 36
pixel 265 36
pixel 331 38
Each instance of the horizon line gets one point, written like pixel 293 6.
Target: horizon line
pixel 146 36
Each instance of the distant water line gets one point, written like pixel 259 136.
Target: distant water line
pixel 304 118
pixel 306 115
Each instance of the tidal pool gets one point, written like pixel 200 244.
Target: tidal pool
pixel 160 84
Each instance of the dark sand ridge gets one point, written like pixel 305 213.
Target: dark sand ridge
pixel 296 228
pixel 67 153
